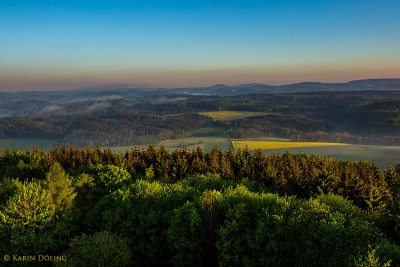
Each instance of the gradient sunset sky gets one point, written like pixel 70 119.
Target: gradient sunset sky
pixel 61 45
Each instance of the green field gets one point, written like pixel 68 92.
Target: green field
pixel 123 149
pixel 381 155
pixel 264 138
pixel 205 143
pixel 231 115
pixel 30 143
pixel 203 132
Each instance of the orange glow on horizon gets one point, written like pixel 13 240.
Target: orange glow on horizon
pixel 68 79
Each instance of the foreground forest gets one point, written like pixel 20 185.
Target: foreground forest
pixel 152 207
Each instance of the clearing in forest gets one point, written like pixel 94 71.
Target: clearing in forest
pixel 275 145
pixel 227 115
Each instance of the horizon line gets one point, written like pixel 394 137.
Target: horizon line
pixel 127 86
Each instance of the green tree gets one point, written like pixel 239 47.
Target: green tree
pixel 59 186
pixel 186 236
pixel 370 260
pixel 102 249
pixel 28 221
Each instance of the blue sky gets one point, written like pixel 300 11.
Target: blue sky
pixel 53 45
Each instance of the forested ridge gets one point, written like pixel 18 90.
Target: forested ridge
pixel 153 207
pixel 366 117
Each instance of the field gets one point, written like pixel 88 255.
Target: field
pixel 383 156
pixel 123 149
pixel 30 143
pixel 256 144
pixel 205 143
pixel 202 132
pixel 231 115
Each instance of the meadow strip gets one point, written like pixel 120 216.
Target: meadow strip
pixel 275 145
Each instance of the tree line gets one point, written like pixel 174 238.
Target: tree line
pixel 189 207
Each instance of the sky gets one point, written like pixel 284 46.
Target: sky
pixel 63 45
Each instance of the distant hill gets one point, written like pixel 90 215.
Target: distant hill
pixel 218 89
pixel 245 89
pixel 39 103
pixel 358 85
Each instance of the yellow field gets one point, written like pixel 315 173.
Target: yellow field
pixel 275 145
pixel 180 98
pixel 230 115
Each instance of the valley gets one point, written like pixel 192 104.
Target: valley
pixel 300 118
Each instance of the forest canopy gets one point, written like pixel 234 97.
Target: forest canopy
pixel 189 207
